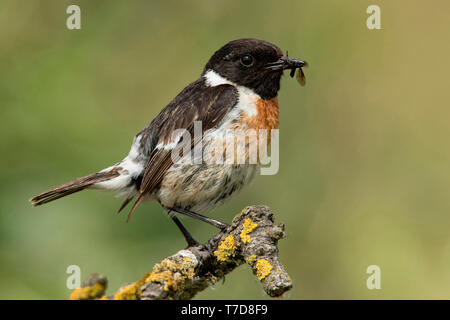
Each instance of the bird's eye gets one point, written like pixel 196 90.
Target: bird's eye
pixel 247 60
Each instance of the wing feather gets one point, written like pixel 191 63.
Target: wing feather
pixel 197 102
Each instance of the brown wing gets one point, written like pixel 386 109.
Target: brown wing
pixel 197 102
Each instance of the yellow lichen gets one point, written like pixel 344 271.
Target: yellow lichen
pixel 226 249
pixel 188 267
pixel 248 227
pixel 129 292
pixel 250 260
pixel 263 268
pixel 170 274
pixel 87 292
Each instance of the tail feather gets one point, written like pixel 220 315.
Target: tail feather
pixel 124 204
pixel 73 186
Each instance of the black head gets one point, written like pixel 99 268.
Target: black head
pixel 253 63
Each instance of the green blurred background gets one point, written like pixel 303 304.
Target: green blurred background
pixel 364 174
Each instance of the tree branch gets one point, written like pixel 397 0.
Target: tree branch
pixel 252 238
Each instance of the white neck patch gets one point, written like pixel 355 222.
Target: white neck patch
pixel 214 79
pixel 247 97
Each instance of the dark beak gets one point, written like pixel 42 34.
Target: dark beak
pixel 286 63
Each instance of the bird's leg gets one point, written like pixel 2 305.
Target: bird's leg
pixel 213 222
pixel 189 238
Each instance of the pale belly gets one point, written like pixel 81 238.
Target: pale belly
pixel 199 183
pixel 202 187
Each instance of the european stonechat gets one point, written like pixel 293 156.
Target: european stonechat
pixel 237 90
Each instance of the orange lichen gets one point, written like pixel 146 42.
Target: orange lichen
pixel 87 292
pixel 263 268
pixel 129 292
pixel 247 228
pixel 164 277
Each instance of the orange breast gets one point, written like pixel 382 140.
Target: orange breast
pixel 266 117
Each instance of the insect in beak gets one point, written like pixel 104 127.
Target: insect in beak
pixel 300 76
pixel 290 63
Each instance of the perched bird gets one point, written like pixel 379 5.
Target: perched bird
pixel 237 90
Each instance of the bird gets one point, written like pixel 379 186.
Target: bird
pixel 238 89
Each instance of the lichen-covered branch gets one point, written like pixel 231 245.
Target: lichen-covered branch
pixel 252 238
